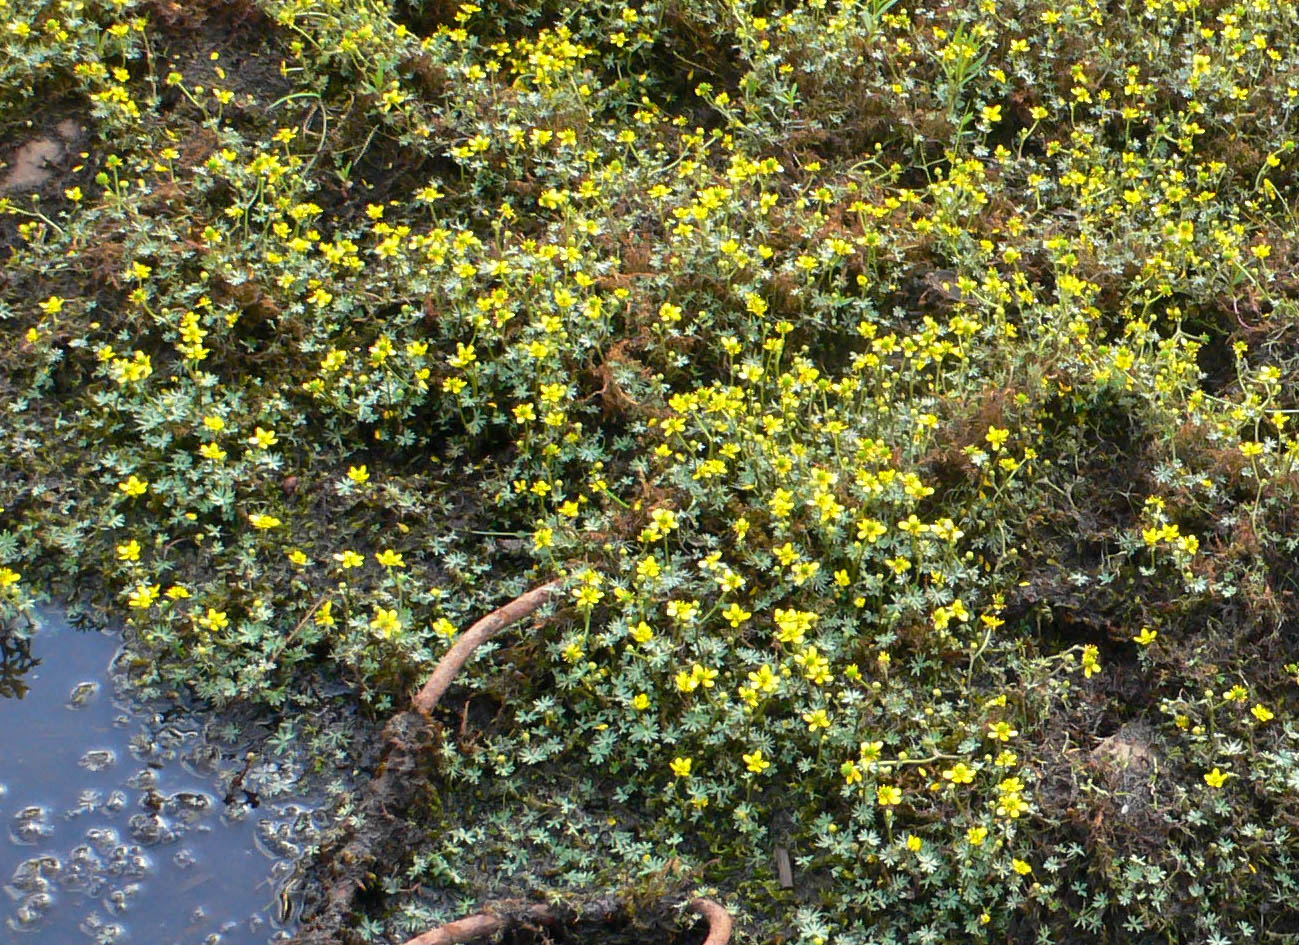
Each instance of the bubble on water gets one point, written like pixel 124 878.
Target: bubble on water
pixel 82 694
pixel 101 930
pixel 98 759
pixel 274 838
pixel 32 909
pixel 34 875
pixel 143 839
pixel 104 839
pixel 84 870
pixel 121 900
pixel 129 861
pixel 31 825
pixel 143 780
pixel 189 800
pixel 151 830
pixel 87 802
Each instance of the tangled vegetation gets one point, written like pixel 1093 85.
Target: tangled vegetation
pixel 904 394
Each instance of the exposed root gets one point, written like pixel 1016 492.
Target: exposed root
pixel 719 920
pixel 397 786
pixel 507 914
pixel 479 925
pixel 427 698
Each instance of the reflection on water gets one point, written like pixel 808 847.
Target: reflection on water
pixel 119 822
pixel 15 660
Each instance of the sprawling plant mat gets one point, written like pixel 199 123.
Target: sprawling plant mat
pixel 902 396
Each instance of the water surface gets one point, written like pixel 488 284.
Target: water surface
pixel 129 823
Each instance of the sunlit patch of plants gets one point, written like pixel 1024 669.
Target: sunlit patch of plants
pixel 904 395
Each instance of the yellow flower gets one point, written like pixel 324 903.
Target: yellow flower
pixel 177 592
pixel 793 625
pixel 1001 731
pixel 258 520
pixel 665 520
pixel 390 559
pixel 134 486
pixel 815 666
pixel 642 633
pixel 1011 786
pixel 1146 636
pixel 641 702
pixel 129 551
pixel 587 596
pixel 444 628
pixel 325 614
pixel 681 767
pixel 735 615
pixel 755 762
pixel 915 844
pixel 1090 661
pixel 1022 868
pixel 263 439
pixel 144 596
pixel 543 538
pixel 1262 713
pixel 349 559
pixel 959 773
pixel 683 611
pixel 870 531
pixel 976 835
pixel 386 623
pixel 1011 805
pixel 816 720
pixel 358 474
pixel 851 772
pixel 9 577
pixel 764 680
pixel 214 619
pixel 888 795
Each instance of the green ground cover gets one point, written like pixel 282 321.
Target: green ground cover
pixel 904 393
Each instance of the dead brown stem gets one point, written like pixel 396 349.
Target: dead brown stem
pixel 426 700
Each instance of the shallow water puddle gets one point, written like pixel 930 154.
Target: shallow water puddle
pixel 114 825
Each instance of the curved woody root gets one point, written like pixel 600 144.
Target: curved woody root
pixel 397 784
pixel 482 924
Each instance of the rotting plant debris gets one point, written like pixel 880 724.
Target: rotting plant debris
pixel 900 397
